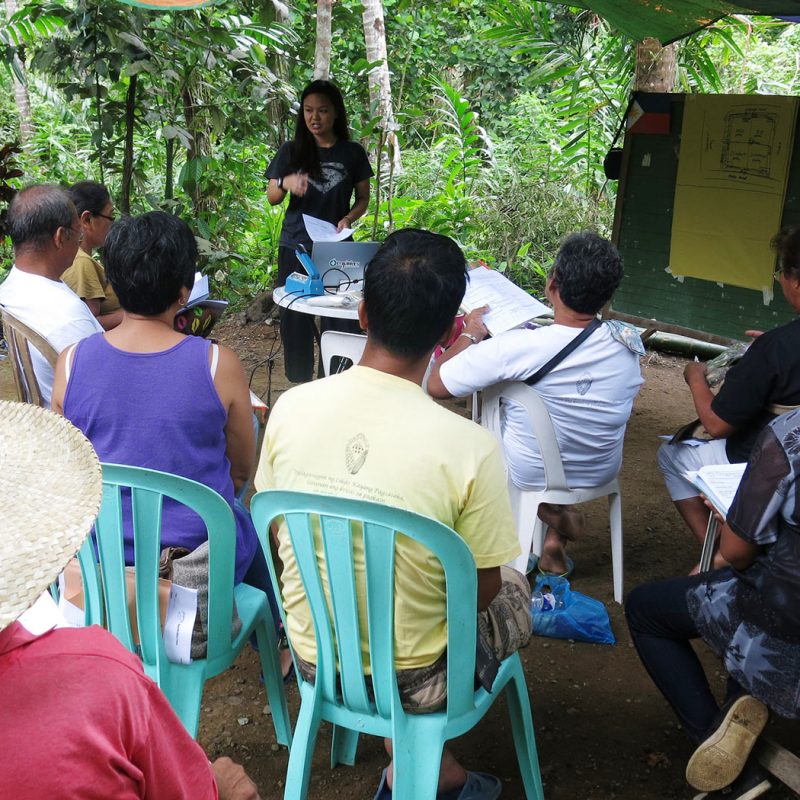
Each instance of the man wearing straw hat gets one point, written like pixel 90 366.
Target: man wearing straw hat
pixel 78 716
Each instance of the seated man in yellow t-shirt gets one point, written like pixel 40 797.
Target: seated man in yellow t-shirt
pixel 372 433
pixel 86 277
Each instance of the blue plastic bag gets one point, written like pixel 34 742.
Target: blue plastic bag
pixel 575 616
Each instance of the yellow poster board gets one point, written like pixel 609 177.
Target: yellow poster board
pixel 729 194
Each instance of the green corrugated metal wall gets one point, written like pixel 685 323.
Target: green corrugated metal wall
pixel 643 238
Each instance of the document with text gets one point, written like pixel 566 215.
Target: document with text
pixel 719 483
pixel 509 306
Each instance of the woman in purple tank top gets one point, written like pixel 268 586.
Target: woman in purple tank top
pixel 148 396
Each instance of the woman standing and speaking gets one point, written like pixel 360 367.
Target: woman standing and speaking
pixel 320 170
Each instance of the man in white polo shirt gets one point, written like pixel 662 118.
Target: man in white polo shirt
pixel 45 232
pixel 589 392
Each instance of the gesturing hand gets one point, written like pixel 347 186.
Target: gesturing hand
pixel 296 183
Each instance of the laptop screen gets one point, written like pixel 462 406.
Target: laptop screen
pixel 340 262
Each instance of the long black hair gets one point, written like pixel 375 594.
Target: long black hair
pixel 304 153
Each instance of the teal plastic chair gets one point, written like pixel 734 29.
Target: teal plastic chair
pixel 343 697
pixel 181 683
pixel 92 594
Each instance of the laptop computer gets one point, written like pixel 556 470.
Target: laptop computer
pixel 339 262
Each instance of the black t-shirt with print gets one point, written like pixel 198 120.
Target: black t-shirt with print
pixel 768 373
pixel 343 165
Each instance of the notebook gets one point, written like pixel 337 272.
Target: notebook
pixel 349 257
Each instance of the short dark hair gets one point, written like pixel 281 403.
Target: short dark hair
pixel 36 213
pixel 148 260
pixel 89 196
pixel 787 246
pixel 586 272
pixel 413 287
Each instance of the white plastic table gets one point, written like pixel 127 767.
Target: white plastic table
pixel 301 304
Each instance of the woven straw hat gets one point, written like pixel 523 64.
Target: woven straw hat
pixel 50 488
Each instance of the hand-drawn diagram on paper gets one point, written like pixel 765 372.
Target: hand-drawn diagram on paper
pixel 749 141
pixel 732 172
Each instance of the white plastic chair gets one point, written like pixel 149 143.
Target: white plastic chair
pixel 525 503
pixel 343 345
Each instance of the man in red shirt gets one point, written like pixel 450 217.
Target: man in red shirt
pixel 78 716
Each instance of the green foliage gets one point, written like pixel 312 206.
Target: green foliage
pixel 506 110
pixel 10 173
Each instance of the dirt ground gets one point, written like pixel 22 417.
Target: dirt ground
pixel 602 729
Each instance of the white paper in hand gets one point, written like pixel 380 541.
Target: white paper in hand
pixel 509 306
pixel 321 231
pixel 719 483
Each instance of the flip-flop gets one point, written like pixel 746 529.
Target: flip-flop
pixel 479 786
pixel 384 792
pixel 533 564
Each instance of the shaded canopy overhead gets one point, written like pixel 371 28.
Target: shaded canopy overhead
pixel 668 20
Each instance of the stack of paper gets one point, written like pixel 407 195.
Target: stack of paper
pixel 509 306
pixel 719 483
pixel 200 297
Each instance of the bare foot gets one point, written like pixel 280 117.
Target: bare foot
pixel 566 520
pixel 554 554
pixel 451 774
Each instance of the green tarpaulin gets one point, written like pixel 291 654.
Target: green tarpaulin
pixel 668 20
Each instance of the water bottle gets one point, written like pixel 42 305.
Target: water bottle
pixel 542 601
pixel 545 601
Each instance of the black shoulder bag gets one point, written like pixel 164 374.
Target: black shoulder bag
pixel 564 352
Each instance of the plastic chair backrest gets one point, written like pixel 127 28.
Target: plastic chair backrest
pixel 341 522
pixel 344 345
pixel 20 339
pixel 147 488
pixel 536 409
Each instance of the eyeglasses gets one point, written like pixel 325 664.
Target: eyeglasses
pixel 776 276
pixel 110 218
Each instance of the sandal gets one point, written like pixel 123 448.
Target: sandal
pixel 533 564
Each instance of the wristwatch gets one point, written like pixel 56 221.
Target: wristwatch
pixel 473 339
pixel 280 183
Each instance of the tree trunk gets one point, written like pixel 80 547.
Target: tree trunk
pixel 281 11
pixel 127 160
pixel 380 91
pixel 276 110
pixel 169 180
pixel 21 97
pixel 322 53
pixel 655 66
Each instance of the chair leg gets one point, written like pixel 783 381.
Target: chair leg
pixel 343 747
pixel 301 754
pixel 539 531
pixel 273 681
pixel 184 690
pixel 417 756
pixel 528 525
pixel 519 708
pixel 615 521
